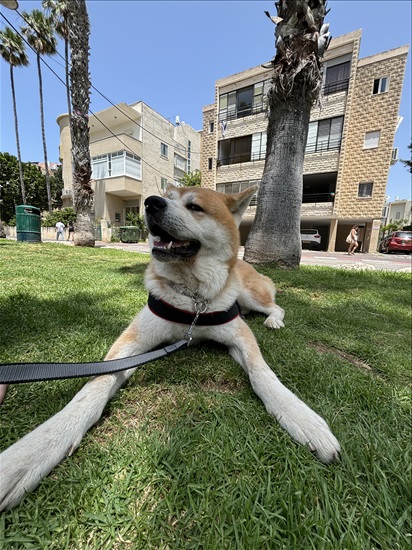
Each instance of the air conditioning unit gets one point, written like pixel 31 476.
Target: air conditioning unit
pixel 394 157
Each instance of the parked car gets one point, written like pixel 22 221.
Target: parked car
pixel 398 241
pixel 310 238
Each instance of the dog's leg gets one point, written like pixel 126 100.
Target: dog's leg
pixel 303 424
pixel 263 302
pixel 258 294
pixel 24 464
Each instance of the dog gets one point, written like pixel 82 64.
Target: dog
pixel 194 270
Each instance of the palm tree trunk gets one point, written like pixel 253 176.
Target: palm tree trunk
pixel 43 133
pixel 16 126
pixel 276 234
pixel 79 31
pixel 301 39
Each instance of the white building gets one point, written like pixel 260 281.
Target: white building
pixel 135 153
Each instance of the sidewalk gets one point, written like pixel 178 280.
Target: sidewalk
pixel 360 261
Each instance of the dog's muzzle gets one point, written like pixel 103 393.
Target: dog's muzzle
pixel 166 246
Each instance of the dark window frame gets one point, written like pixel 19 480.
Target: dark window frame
pixel 337 78
pixel 363 187
pixel 331 143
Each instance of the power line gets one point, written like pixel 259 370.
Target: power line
pixel 101 93
pixel 90 111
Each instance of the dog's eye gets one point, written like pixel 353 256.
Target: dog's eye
pixel 194 207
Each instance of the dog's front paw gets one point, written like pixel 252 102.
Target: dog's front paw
pixel 310 429
pixel 274 322
pixel 19 475
pixel 275 319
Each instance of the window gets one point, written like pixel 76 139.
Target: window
pixel 117 217
pixel 365 189
pixel 211 127
pixel 235 150
pixel 189 156
pixel 120 163
pixel 243 102
pixel 337 78
pixel 324 135
pixel 380 85
pixel 180 163
pixel 372 140
pixel 259 146
pixel 397 216
pixel 163 183
pixel 209 163
pixel 164 150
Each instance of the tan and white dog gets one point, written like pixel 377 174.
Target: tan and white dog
pixel 194 242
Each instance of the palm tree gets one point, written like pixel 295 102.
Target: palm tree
pixel 39 34
pixel 12 50
pixel 301 39
pixel 79 31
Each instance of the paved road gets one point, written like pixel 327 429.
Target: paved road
pixel 360 261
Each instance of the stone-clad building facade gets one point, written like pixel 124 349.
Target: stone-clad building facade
pixel 135 153
pixel 350 140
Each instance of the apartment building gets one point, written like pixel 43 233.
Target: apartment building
pixel 349 146
pixel 135 152
pixel 398 210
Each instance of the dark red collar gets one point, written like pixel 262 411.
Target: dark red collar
pixel 170 313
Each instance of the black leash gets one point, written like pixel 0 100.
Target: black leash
pixel 17 373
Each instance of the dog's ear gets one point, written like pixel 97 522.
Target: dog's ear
pixel 238 203
pixel 169 188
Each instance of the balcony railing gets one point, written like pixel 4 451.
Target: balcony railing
pixel 322 146
pixel 337 86
pixel 318 197
pixel 232 113
pixel 242 157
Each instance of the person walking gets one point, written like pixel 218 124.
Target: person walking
pixel 60 230
pixel 352 239
pixel 71 231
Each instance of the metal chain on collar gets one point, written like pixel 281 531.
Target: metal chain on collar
pixel 200 307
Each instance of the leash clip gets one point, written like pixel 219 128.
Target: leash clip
pixel 200 307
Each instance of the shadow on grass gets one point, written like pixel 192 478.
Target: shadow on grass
pixel 32 325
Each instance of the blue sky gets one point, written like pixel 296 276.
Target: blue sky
pixel 169 55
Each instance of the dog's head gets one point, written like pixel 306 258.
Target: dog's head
pixel 188 222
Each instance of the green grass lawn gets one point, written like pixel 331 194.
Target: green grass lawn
pixel 185 456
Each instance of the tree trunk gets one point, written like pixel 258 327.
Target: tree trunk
pixel 300 41
pixel 16 126
pixel 79 31
pixel 43 134
pixel 275 235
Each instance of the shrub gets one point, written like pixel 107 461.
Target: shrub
pixel 64 215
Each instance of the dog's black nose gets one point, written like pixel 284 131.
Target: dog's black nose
pixel 154 204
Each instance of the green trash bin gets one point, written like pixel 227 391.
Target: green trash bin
pixel 129 234
pixel 28 224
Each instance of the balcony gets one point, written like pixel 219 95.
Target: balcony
pixel 232 113
pixel 121 186
pixel 337 86
pixel 329 144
